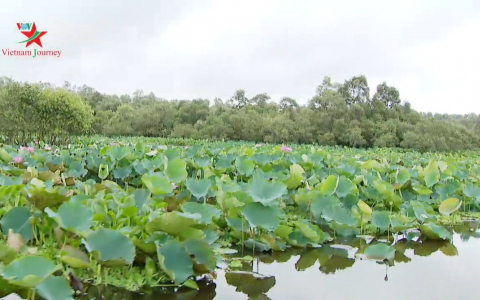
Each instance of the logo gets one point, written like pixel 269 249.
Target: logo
pixel 33 37
pixel 31 32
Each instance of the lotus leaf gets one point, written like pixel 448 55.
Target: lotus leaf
pixel 72 216
pixel 175 261
pixel 157 184
pixel 380 252
pixel 171 222
pixel 206 211
pixel 265 192
pixel 18 220
pixel 29 271
pixel 55 288
pixel 198 188
pixel 381 220
pixel 111 245
pixel 176 170
pixel 266 217
pixel 449 206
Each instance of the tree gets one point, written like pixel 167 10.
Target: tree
pixel 327 85
pixel 260 99
pixel 239 100
pixel 355 90
pixel 33 112
pixel 387 95
pixel 288 104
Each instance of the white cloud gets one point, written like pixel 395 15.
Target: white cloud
pixel 186 49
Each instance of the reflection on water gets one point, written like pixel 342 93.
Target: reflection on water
pixel 422 269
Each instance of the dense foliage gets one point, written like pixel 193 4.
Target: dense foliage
pixel 140 214
pixel 346 114
pixel 35 112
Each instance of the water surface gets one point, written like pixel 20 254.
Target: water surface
pixel 423 269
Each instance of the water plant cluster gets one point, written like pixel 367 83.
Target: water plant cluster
pixel 134 214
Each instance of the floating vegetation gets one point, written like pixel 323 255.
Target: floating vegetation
pixel 136 216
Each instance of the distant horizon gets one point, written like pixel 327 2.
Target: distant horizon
pixel 248 95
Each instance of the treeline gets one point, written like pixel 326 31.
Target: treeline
pixel 343 114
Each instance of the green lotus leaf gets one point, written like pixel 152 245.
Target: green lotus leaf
pixel 309 230
pixel 72 216
pixel 207 212
pixel 55 288
pixel 340 215
pixel 17 219
pixel 449 206
pixel 176 170
pixel 171 223
pixel 435 232
pixel 175 261
pixel 380 252
pixel 42 198
pixel 329 185
pixel 373 164
pixel 432 176
pixel 111 245
pixel 272 242
pixel 118 153
pixel 266 217
pixel 103 171
pixel 265 192
pixel 381 220
pixel 283 231
pixel 296 176
pixel 141 197
pixel 383 187
pixel 323 203
pixel 122 173
pixel 7 254
pixel 29 271
pixel 239 224
pixel 257 245
pixel 198 188
pixel 472 191
pixel 403 176
pixel 345 187
pixel 192 233
pixel 365 208
pixel 245 166
pixel 203 255
pixel 157 184
pixel 5 156
pixel 74 257
pixel 421 190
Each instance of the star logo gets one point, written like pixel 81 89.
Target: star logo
pixel 31 32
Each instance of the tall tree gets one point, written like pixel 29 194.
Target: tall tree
pixel 387 94
pixel 355 90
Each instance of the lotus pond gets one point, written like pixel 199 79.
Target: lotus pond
pixel 138 216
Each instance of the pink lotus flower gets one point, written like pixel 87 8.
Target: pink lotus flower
pixel 48 148
pixel 286 149
pixel 258 145
pixel 30 149
pixel 113 144
pixel 174 186
pixel 22 148
pixel 18 159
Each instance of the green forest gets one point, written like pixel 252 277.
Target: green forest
pixel 344 114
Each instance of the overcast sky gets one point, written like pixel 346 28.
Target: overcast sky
pixel 429 50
